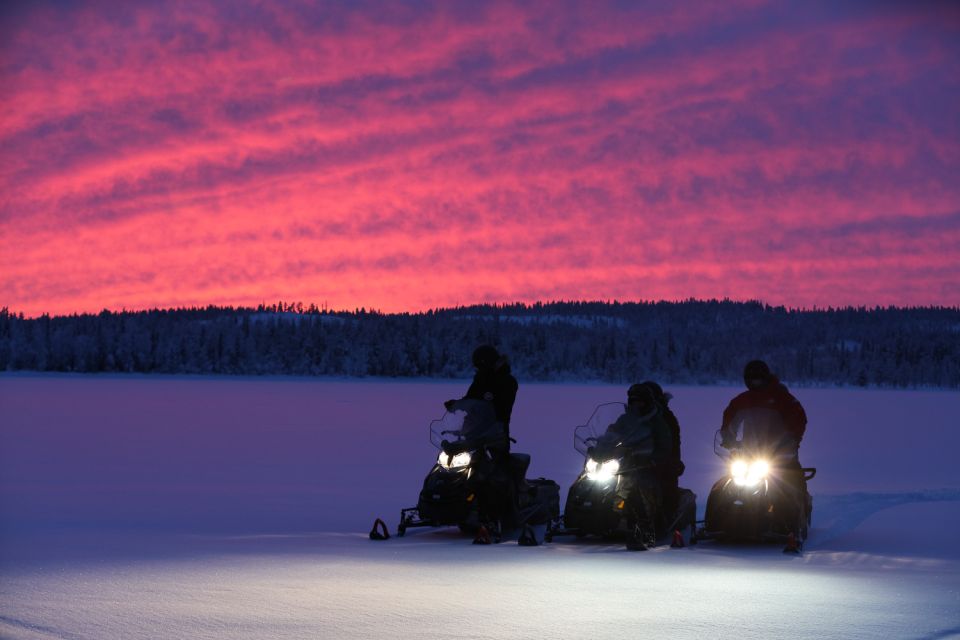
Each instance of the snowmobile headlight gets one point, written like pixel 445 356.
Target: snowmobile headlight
pixel 738 469
pixel 461 459
pixel 758 471
pixel 749 474
pixel 601 472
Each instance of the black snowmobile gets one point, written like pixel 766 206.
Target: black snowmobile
pixel 476 484
pixel 763 497
pixel 606 499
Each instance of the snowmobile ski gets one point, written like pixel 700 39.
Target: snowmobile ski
pixel 379 530
pixel 528 537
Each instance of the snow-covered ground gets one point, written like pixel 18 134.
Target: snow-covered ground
pixel 142 507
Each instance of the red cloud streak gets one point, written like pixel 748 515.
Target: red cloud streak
pixel 403 157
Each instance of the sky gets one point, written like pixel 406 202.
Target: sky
pixel 410 155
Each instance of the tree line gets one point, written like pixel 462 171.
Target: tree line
pixel 697 342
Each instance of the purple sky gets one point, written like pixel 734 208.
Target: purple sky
pixel 409 155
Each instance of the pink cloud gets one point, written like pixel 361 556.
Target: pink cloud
pixel 405 158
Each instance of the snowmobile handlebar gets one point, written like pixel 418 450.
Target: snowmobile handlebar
pixel 459 432
pixel 453 448
pixel 777 445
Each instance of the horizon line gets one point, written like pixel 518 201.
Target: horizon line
pixel 299 307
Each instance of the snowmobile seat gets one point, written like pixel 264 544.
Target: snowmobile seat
pixel 519 463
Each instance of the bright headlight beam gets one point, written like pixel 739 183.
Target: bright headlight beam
pixel 461 459
pixel 601 472
pixel 738 469
pixel 749 474
pixel 759 469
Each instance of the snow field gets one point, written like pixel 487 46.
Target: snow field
pixel 238 508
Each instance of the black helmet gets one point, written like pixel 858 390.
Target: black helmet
pixel 640 396
pixel 657 391
pixel 485 357
pixel 756 375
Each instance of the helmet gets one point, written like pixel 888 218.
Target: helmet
pixel 485 357
pixel 756 375
pixel 657 391
pixel 640 396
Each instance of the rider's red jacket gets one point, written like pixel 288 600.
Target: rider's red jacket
pixel 774 396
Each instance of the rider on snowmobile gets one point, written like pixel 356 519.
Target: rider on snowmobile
pixel 669 472
pixel 493 382
pixel 765 494
pixel 765 391
pixel 643 419
pixel 644 428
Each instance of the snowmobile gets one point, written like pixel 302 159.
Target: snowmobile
pixel 470 485
pixel 607 498
pixel 763 497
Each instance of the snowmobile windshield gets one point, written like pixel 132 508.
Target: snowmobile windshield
pixel 756 432
pixel 468 420
pixel 612 430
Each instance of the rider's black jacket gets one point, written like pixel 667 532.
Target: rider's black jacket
pixel 496 385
